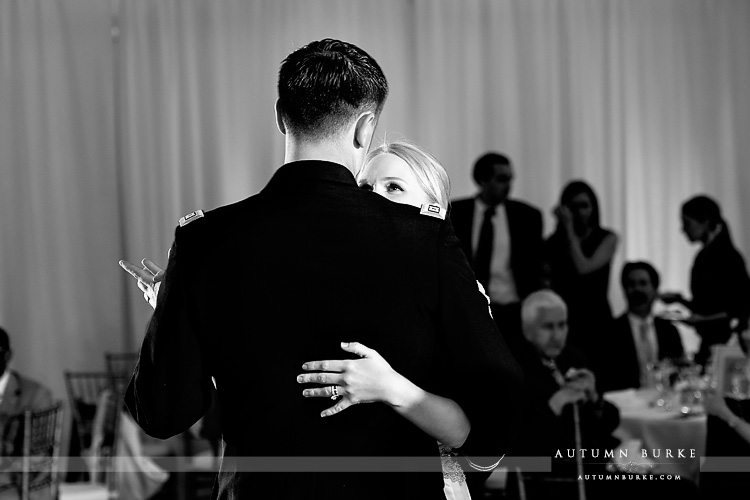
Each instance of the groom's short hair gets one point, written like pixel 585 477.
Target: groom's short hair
pixel 326 84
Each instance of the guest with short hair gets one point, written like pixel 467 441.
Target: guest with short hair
pixel 17 395
pixel 502 238
pixel 638 340
pixel 557 379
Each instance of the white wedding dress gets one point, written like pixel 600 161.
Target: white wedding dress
pixel 453 476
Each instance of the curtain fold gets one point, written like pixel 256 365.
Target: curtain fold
pixel 60 293
pixel 109 135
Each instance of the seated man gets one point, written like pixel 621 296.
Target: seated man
pixel 17 394
pixel 637 339
pixel 557 379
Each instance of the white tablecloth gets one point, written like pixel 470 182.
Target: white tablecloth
pixel 659 430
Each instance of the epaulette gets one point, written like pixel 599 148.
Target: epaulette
pixel 184 221
pixel 433 211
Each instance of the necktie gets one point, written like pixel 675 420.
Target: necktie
pixel 483 254
pixel 556 373
pixel 648 349
pixel 649 356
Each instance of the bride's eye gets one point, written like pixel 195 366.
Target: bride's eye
pixel 392 186
pixel 365 186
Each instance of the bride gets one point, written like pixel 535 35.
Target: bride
pixel 403 173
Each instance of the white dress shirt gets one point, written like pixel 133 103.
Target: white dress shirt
pixel 646 345
pixel 502 287
pixel 4 382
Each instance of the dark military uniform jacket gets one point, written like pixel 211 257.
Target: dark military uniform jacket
pixel 255 289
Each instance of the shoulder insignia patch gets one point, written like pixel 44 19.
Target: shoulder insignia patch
pixel 433 211
pixel 191 217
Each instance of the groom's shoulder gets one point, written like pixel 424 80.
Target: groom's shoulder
pixel 415 222
pixel 205 225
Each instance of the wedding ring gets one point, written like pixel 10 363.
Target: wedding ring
pixel 334 392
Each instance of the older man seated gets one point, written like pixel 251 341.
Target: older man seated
pixel 558 379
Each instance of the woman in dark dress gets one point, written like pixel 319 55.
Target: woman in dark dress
pixel 719 280
pixel 579 258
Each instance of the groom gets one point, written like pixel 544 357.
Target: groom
pixel 254 289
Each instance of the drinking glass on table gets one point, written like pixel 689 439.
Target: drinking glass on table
pixel 740 381
pixel 661 375
pixel 690 386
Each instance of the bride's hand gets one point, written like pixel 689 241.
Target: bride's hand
pixel 365 380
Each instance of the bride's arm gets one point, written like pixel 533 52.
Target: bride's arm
pixel 440 417
pixel 371 379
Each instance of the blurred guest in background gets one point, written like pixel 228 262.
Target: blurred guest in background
pixel 638 340
pixel 502 238
pixel 557 379
pixel 17 394
pixel 579 259
pixel 727 438
pixel 716 405
pixel 719 281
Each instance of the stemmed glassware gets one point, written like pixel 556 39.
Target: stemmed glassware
pixel 661 376
pixel 740 380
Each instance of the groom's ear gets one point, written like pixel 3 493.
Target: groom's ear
pixel 279 121
pixel 364 130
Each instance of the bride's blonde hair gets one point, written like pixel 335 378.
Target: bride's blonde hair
pixel 432 177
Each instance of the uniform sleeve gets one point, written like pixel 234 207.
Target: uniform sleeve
pixel 479 372
pixel 170 389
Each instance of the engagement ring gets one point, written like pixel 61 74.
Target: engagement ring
pixel 334 392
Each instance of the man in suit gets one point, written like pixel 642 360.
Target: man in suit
pixel 310 262
pixel 502 238
pixel 557 378
pixel 638 339
pixel 17 394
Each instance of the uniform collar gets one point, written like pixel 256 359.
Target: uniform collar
pixel 311 170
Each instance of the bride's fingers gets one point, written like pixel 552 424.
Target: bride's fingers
pixel 320 378
pixel 324 392
pixel 359 349
pixel 325 366
pixel 337 408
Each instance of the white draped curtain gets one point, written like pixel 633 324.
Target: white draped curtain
pixel 118 117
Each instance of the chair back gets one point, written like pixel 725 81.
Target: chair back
pixel 121 363
pixel 33 466
pixel 121 366
pixel 42 433
pixel 96 403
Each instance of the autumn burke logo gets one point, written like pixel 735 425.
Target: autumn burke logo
pixel 642 453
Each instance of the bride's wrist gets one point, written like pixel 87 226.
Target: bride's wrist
pixel 404 394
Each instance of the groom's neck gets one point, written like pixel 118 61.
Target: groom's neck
pixel 332 151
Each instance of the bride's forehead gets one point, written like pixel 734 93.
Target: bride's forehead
pixel 385 163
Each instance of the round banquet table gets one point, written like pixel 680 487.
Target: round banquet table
pixel 659 430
